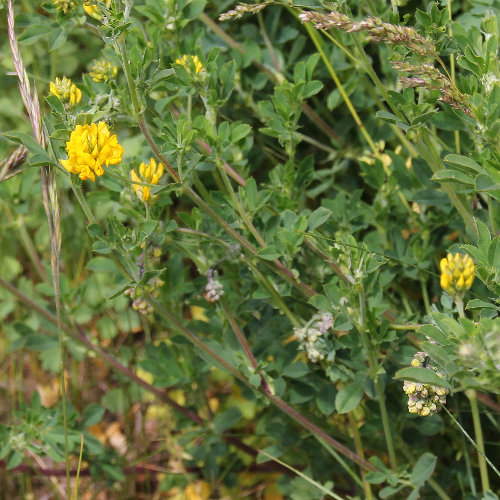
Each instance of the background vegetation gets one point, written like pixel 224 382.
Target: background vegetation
pixel 257 319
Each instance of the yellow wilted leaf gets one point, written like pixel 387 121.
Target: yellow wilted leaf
pixel 199 490
pixel 116 438
pixel 198 313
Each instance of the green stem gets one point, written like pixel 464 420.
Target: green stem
pixel 478 449
pixel 26 241
pixel 373 364
pixel 77 190
pixel 78 469
pixel 239 334
pixel 244 344
pixel 478 431
pixel 275 294
pixel 425 294
pixel 353 424
pixel 459 301
pixel 317 42
pixel 434 161
pixel 394 326
pixel 342 462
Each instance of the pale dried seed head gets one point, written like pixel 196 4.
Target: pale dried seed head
pixel 9 167
pixel 243 8
pixel 376 28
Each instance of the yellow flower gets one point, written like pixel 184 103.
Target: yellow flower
pixel 102 70
pixel 147 173
pixel 190 61
pixel 89 148
pixel 64 5
pixel 66 91
pixel 457 273
pixel 93 10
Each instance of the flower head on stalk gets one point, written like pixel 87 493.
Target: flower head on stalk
pixel 94 10
pixel 423 399
pixel 89 148
pixel 66 91
pixel 457 274
pixel 312 336
pixel 214 289
pixel 102 70
pixel 150 173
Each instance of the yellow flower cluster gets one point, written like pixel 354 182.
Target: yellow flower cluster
pixel 102 70
pixel 89 148
pixel 66 91
pixel 147 173
pixel 64 5
pixel 93 10
pixel 190 61
pixel 457 273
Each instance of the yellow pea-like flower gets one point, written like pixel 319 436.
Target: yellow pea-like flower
pixel 150 173
pixel 93 9
pixel 457 273
pixel 66 91
pixel 89 148
pixel 187 61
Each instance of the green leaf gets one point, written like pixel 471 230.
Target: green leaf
pixel 320 302
pixel 422 375
pixel 226 420
pixel 318 217
pixel 349 396
pixel 310 88
pixel 92 415
pixel 102 265
pixel 326 400
pixel 240 131
pixel 32 33
pixel 57 38
pixel 95 231
pixel 465 164
pixel 485 184
pixel 453 176
pixel 480 304
pixel 28 141
pixel 434 333
pixel 269 452
pixel 423 469
pixel 296 370
pixel 269 253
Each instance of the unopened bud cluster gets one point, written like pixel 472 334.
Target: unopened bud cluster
pixel 312 336
pixel 423 399
pixel 66 91
pixel 457 274
pixel 214 290
pixel 102 70
pixel 139 302
pixel 65 5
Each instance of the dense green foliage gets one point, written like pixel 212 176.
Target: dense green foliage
pixel 280 283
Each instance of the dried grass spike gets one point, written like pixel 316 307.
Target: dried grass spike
pixel 243 8
pixel 10 166
pixel 376 28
